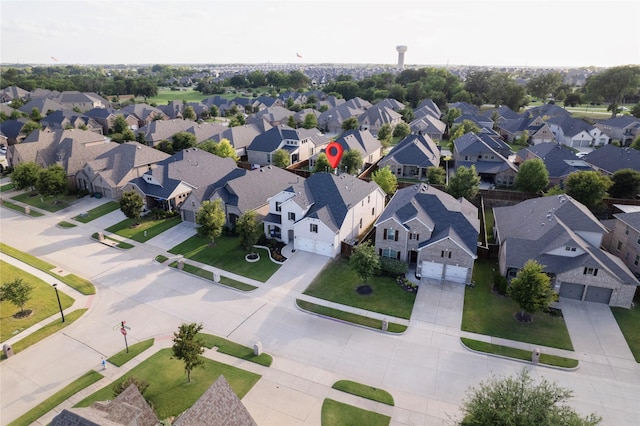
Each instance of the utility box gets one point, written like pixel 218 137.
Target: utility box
pixel 8 351
pixel 535 356
pixel 257 349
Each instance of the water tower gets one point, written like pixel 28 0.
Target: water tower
pixel 401 50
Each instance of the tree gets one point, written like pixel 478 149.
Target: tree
pixel 211 218
pixel 532 176
pixel 588 187
pixel 122 385
pixel 462 129
pixel 626 184
pixel 635 110
pixel 131 204
pixel 520 401
pixel 612 85
pixel 386 180
pixel 573 99
pixel 189 113
pixel 450 116
pixel 183 140
pixel 310 121
pixel 291 121
pixel 352 161
pixel 35 114
pixel 237 120
pixel 364 261
pixel 249 229
pixel 17 292
pixel 544 85
pixel 119 124
pixel 25 175
pixel 214 110
pixel 531 290
pixel 350 123
pixel 436 175
pixel 223 149
pixel 29 127
pixel 464 183
pixel 636 143
pixel 281 158
pixel 401 130
pixel 52 180
pixel 188 347
pixel 322 164
pixel 385 135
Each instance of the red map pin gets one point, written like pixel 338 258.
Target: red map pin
pixel 334 153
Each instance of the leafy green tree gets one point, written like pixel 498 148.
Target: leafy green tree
pixel 588 187
pixel 52 180
pixel 120 124
pixel 164 146
pixel 188 347
pixel 249 229
pixel 222 149
pixel 364 261
pixel 462 129
pixel 636 143
pixel 450 116
pixel 322 164
pixel 385 135
pixel 544 85
pixel 215 112
pixel 310 121
pixel 464 183
pixel 436 175
pixel 613 85
pixel 189 113
pixel 237 120
pixel 281 158
pixel 122 385
pixel 25 175
pixel 386 180
pixel 350 123
pixel 521 401
pixel 352 161
pixel 183 140
pixel 29 127
pixel 635 110
pixel 532 176
pixel 35 114
pixel 211 218
pixel 626 184
pixel 131 204
pixel 291 121
pixel 572 99
pixel 401 130
pixel 17 292
pixel 531 290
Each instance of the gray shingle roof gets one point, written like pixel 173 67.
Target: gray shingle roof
pixel 559 161
pixel 571 126
pixel 414 150
pixel 611 158
pixel 632 219
pixel 360 140
pixel 118 162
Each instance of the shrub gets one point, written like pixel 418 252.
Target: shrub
pixel 501 283
pixel 393 266
pixel 120 386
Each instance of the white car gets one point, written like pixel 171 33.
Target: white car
pixel 3 149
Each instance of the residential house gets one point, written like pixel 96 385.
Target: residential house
pixel 624 239
pixel 559 161
pixel 301 115
pixel 240 137
pixel 424 124
pixel 430 229
pixel 110 171
pixel 362 141
pixel 274 115
pixel 465 108
pixel 412 157
pixel 391 103
pixel 536 129
pixel 429 107
pixel 81 101
pixel 480 120
pixel 576 133
pixel 10 93
pixel 488 155
pixel 331 120
pixel 12 130
pixel 167 185
pixel 377 116
pixel 301 144
pixel 609 159
pixel 159 130
pixel 69 119
pixel 624 128
pixel 548 111
pixel 501 114
pixel 106 117
pixel 564 237
pixel 144 113
pixel 319 213
pixel 44 106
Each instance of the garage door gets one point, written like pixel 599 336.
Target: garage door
pixel 457 274
pixel 598 294
pixel 571 291
pixel 432 270
pixel 313 246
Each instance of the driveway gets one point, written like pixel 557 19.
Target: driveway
pixel 173 236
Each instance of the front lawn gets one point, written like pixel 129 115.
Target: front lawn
pixel 338 283
pixel 48 203
pixel 629 323
pixel 143 229
pixel 493 315
pixel 96 212
pixel 7 187
pixel 169 392
pixel 235 349
pixel 336 413
pixel 42 301
pixel 364 391
pixel 326 311
pixel 228 255
pixel 125 356
pixel 19 208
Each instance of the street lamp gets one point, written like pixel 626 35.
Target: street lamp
pixel 55 287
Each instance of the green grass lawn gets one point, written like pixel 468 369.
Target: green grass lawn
pixel 96 212
pixel 123 356
pixel 338 282
pixel 364 391
pixel 42 301
pixel 82 285
pixel 516 353
pixel 165 95
pixel 629 322
pixel 16 207
pixel 120 244
pixel 65 224
pixel 51 204
pixel 336 413
pixel 169 392
pixel 56 399
pixel 235 349
pixel 349 317
pixel 146 229
pixel 7 187
pixel 228 255
pixel 493 315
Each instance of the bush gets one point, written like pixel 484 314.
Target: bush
pixel 501 283
pixel 120 386
pixel 393 266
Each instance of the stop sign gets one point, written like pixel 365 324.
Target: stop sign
pixel 123 331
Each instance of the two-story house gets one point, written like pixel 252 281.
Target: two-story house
pixel 565 238
pixel 609 159
pixel 536 129
pixel 319 213
pixel 362 141
pixel 377 116
pixel 559 160
pixel 624 239
pixel 624 128
pixel 411 157
pixel 576 133
pixel 301 144
pixel 430 229
pixel 487 154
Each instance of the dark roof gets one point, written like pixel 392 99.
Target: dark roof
pixel 548 110
pixel 12 128
pixel 439 211
pixel 611 158
pixel 571 126
pixel 620 121
pixel 559 161
pixel 632 219
pixel 414 150
pixel 271 140
pixel 361 140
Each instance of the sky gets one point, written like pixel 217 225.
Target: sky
pixel 534 33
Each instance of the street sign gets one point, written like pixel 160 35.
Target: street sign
pixel 123 331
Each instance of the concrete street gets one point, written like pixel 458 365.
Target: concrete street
pixel 427 370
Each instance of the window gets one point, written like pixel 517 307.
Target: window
pixel 414 236
pixel 638 240
pixel 635 262
pixel 292 216
pixel 567 248
pixel 390 234
pixel 626 231
pixel 591 271
pixel 445 253
pixel 278 206
pixel 390 253
pixel 360 223
pixel 373 211
pixel 313 228
pixel 368 199
pixel 619 245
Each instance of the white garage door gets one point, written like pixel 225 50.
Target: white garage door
pixel 457 274
pixel 313 246
pixel 431 270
